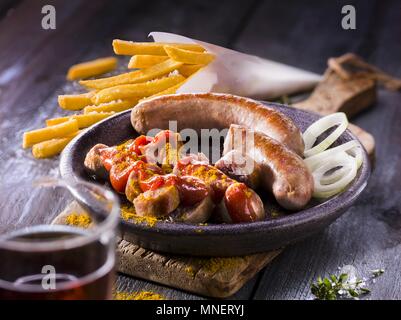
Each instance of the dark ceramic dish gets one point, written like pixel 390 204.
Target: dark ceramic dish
pixel 218 239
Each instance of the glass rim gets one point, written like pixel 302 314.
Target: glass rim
pixel 110 222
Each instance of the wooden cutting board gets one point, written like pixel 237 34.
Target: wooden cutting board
pixel 212 277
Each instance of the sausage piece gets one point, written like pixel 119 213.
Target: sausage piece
pixel 210 110
pixel 132 189
pixel 157 203
pixel 240 199
pixel 240 167
pixel 243 204
pixel 284 173
pixel 93 162
pixel 199 213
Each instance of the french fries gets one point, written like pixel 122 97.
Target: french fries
pixel 83 120
pixel 170 90
pixel 143 75
pixel 140 90
pixel 189 69
pixel 57 131
pixel 91 68
pixel 163 69
pixel 51 148
pixel 145 61
pixel 188 57
pixel 112 106
pixel 75 102
pixel 130 48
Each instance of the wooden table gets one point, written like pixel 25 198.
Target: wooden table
pixel 33 63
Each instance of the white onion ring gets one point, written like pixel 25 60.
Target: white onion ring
pixel 317 128
pixel 328 190
pixel 357 154
pixel 335 168
pixel 313 162
pixel 333 176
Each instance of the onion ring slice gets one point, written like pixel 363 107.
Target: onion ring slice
pixel 341 160
pixel 317 128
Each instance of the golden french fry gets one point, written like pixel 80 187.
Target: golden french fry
pixel 56 121
pixel 188 57
pixel 83 120
pixel 139 90
pixel 91 68
pixel 57 131
pixel 142 75
pixel 51 148
pixel 170 90
pixel 130 48
pixel 189 69
pixel 145 61
pixel 75 101
pixel 113 106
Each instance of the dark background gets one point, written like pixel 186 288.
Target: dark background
pixel 33 64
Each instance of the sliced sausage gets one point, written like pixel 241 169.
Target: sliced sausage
pixel 157 203
pixel 198 213
pixel 240 167
pixel 93 162
pixel 243 204
pixel 239 198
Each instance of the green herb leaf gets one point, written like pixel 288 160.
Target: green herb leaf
pixel 333 287
pixel 377 272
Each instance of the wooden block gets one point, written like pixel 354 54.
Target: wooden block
pixel 366 139
pixel 351 96
pixel 335 94
pixel 214 277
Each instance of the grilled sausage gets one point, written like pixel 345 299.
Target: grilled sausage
pixel 283 172
pixel 211 110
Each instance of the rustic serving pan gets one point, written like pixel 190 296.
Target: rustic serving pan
pixel 278 230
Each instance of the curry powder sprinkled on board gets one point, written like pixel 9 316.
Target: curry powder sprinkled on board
pixel 142 295
pixel 128 213
pixel 82 220
pixel 191 271
pixel 213 265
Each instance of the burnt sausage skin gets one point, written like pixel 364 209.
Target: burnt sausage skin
pixel 283 172
pixel 210 110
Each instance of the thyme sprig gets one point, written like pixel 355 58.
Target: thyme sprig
pixel 342 286
pixel 333 287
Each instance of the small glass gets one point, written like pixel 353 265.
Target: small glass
pixel 45 255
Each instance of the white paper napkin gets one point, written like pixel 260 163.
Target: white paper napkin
pixel 242 74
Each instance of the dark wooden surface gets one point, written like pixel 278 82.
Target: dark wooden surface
pixel 33 63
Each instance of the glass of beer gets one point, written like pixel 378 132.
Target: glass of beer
pixel 57 240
